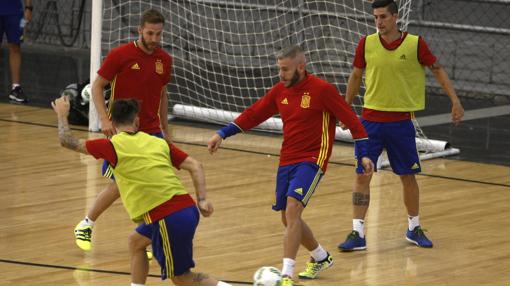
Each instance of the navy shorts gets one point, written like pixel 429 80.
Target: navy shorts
pixel 10 26
pixel 172 241
pixel 107 170
pixel 399 140
pixel 298 181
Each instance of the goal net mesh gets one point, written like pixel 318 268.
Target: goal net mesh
pixel 224 51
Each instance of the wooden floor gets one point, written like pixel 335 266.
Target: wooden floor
pixel 45 190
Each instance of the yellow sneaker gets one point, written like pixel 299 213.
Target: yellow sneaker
pixel 287 281
pixel 82 235
pixel 314 268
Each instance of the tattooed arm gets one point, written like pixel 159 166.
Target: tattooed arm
pixel 67 140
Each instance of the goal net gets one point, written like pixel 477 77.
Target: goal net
pixel 224 50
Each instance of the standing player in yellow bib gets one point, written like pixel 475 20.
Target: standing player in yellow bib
pixel 394 64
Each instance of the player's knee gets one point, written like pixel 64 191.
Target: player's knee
pixel 113 190
pixel 132 242
pixel 112 186
pixel 293 210
pixel 409 181
pixel 193 278
pixel 179 280
pixel 137 242
pixel 408 178
pixel 362 180
pixel 14 48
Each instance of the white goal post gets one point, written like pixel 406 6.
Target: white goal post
pixel 224 50
pixel 95 57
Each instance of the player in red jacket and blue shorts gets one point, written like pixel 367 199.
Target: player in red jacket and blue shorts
pixel 139 70
pixel 309 108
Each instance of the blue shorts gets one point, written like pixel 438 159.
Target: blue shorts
pixel 298 181
pixel 10 26
pixel 399 140
pixel 172 241
pixel 107 170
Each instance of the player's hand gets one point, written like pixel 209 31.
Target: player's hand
pixel 107 128
pixel 61 106
pixel 457 113
pixel 206 208
pixel 368 166
pixel 214 143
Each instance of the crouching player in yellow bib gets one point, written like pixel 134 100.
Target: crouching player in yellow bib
pixel 151 193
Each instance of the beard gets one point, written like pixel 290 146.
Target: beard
pixel 294 79
pixel 146 46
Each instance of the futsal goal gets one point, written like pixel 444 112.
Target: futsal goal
pixel 224 50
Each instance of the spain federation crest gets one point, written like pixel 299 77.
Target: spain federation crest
pixel 159 67
pixel 305 100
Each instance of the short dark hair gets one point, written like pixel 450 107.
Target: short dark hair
pixel 390 4
pixel 152 16
pixel 124 111
pixel 290 52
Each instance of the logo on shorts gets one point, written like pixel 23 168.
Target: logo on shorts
pixel 415 166
pixel 285 101
pixel 403 57
pixel 299 191
pixel 135 66
pixel 159 66
pixel 305 100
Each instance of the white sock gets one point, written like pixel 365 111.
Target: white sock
pixel 136 284
pixel 414 221
pixel 87 222
pixel 14 85
pixel 288 267
pixel 319 253
pixel 221 283
pixel 359 226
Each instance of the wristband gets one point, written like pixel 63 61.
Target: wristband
pixel 361 148
pixel 229 130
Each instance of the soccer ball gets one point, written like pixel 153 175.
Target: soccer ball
pixel 85 94
pixel 267 276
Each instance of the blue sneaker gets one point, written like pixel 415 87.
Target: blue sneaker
pixel 353 242
pixel 417 236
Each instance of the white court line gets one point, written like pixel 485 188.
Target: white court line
pixel 468 115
